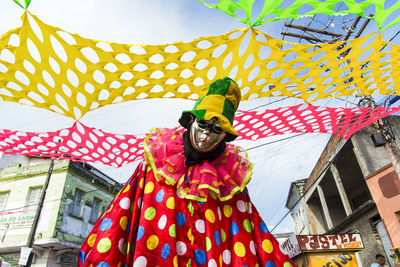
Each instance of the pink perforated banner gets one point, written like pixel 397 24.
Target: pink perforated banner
pixel 78 143
pixel 82 143
pixel 306 118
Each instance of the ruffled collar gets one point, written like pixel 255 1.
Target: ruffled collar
pixel 220 178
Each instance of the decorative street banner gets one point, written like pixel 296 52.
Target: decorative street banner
pixel 272 10
pixel 16 219
pixel 46 67
pixel 344 259
pixel 330 242
pixel 82 143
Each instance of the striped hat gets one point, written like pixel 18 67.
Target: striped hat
pixel 221 101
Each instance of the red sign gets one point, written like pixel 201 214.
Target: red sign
pixel 330 242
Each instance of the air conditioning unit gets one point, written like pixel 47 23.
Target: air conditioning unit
pixel 378 139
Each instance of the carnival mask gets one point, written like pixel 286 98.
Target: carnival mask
pixel 206 135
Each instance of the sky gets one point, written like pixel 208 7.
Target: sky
pixel 159 22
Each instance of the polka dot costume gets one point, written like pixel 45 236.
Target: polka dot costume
pixel 150 223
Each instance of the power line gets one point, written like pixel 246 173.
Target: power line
pixel 259 186
pixel 267 104
pixel 323 171
pixel 276 141
pixel 316 179
pixel 305 37
pixel 147 117
pixel 394 36
pixel 267 163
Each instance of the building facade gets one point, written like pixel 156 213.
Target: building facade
pixel 353 188
pixel 76 195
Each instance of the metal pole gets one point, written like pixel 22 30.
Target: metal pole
pixel 32 233
pixel 353 28
pixel 308 38
pixel 303 28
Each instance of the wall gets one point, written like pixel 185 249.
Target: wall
pixel 9 159
pixel 369 158
pixel 73 228
pixel 360 223
pixel 385 189
pixel 18 181
pixel 316 214
pixel 331 149
pixel 353 160
pixel 57 230
pixel 299 218
pixel 332 198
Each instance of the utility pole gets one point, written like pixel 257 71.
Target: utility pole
pixel 32 233
pixel 308 29
pixel 384 129
pixel 307 34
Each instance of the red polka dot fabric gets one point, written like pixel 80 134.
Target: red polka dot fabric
pixel 150 224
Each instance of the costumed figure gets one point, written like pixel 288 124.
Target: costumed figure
pixel 187 202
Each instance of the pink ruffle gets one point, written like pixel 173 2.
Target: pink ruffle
pixel 220 178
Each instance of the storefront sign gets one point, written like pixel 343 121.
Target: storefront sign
pixel 330 242
pixel 291 247
pixel 23 258
pixel 16 219
pixel 10 258
pixel 342 259
pixel 68 259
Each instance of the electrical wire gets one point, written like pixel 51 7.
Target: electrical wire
pixel 278 206
pixel 273 142
pixel 248 148
pixel 316 179
pixel 260 184
pixel 322 172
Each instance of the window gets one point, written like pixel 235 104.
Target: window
pixel 389 185
pixel 3 200
pixel 33 198
pixel 77 204
pixel 95 210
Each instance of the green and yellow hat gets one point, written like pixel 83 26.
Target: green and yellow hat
pixel 221 101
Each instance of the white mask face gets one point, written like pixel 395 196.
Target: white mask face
pixel 206 135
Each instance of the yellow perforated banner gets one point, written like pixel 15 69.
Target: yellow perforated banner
pixel 46 67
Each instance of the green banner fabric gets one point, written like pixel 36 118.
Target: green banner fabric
pixel 27 2
pixel 272 7
pixel 230 7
